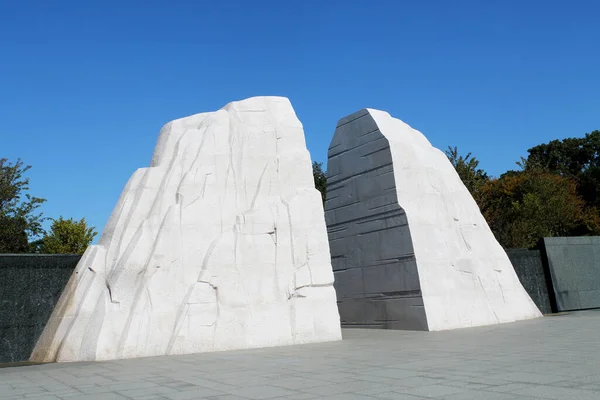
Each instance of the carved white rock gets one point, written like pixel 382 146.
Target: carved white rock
pixel 409 245
pixel 221 244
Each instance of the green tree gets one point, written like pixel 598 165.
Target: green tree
pixel 467 168
pixel 523 206
pixel 577 158
pixel 20 220
pixel 68 236
pixel 320 178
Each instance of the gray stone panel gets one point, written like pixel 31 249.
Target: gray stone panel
pixel 384 312
pixel 574 265
pixel 30 286
pixel 529 267
pixel 376 276
pixel 589 298
pixel 350 283
pixel 395 277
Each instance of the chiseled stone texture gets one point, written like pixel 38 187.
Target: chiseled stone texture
pixel 221 244
pixel 410 248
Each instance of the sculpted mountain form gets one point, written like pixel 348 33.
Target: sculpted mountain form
pixel 410 248
pixel 220 244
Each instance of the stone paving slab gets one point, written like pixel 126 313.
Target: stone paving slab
pixel 556 357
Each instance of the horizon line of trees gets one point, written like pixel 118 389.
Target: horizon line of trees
pixel 553 192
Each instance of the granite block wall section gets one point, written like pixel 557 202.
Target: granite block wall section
pixel 530 268
pixel 30 286
pixel 574 265
pixel 376 276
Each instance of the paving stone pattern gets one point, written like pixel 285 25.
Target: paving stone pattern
pixel 556 357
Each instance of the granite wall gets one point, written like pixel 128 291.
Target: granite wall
pixel 376 276
pixel 30 285
pixel 574 265
pixel 530 268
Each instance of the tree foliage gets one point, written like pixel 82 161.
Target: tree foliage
pixel 541 199
pixel 577 158
pixel 320 178
pixel 67 236
pixel 20 220
pixel 524 206
pixel 467 168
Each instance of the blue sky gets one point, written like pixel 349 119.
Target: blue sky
pixel 85 86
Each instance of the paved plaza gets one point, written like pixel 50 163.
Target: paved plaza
pixel 556 357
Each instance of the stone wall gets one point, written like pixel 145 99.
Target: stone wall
pixel 529 266
pixel 30 286
pixel 574 265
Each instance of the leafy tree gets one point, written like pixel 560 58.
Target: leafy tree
pixel 577 158
pixel 523 206
pixel 320 179
pixel 19 219
pixel 68 236
pixel 35 247
pixel 467 168
pixel 13 234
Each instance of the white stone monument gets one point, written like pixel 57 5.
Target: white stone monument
pixel 221 244
pixel 410 248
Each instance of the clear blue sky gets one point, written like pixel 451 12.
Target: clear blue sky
pixel 86 85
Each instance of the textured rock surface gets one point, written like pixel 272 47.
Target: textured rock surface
pixel 220 244
pixel 410 248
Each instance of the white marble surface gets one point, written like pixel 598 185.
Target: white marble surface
pixel 221 244
pixel 465 275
